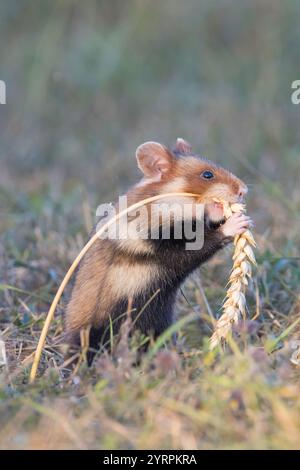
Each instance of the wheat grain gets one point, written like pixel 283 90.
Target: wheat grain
pixel 234 305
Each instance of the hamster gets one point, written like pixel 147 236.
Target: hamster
pixel 147 273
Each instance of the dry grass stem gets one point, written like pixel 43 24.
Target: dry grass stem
pixel 234 305
pixel 75 263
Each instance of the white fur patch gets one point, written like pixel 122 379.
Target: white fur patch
pixel 128 280
pixel 177 185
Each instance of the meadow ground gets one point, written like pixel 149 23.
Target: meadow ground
pixel 85 86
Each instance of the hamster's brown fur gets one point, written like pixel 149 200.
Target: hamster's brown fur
pixel 114 271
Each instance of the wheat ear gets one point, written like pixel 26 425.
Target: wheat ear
pixel 234 304
pixel 95 237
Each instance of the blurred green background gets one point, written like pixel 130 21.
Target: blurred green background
pixel 87 82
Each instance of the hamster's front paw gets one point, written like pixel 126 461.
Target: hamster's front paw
pixel 237 224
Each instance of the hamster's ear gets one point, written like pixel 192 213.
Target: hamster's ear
pixel 154 159
pixel 183 147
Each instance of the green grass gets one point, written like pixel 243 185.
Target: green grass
pixel 86 85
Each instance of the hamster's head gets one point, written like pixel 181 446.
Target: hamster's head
pixel 181 170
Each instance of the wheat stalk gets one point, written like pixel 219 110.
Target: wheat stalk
pixel 234 304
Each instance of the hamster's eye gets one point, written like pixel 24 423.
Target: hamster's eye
pixel 207 174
